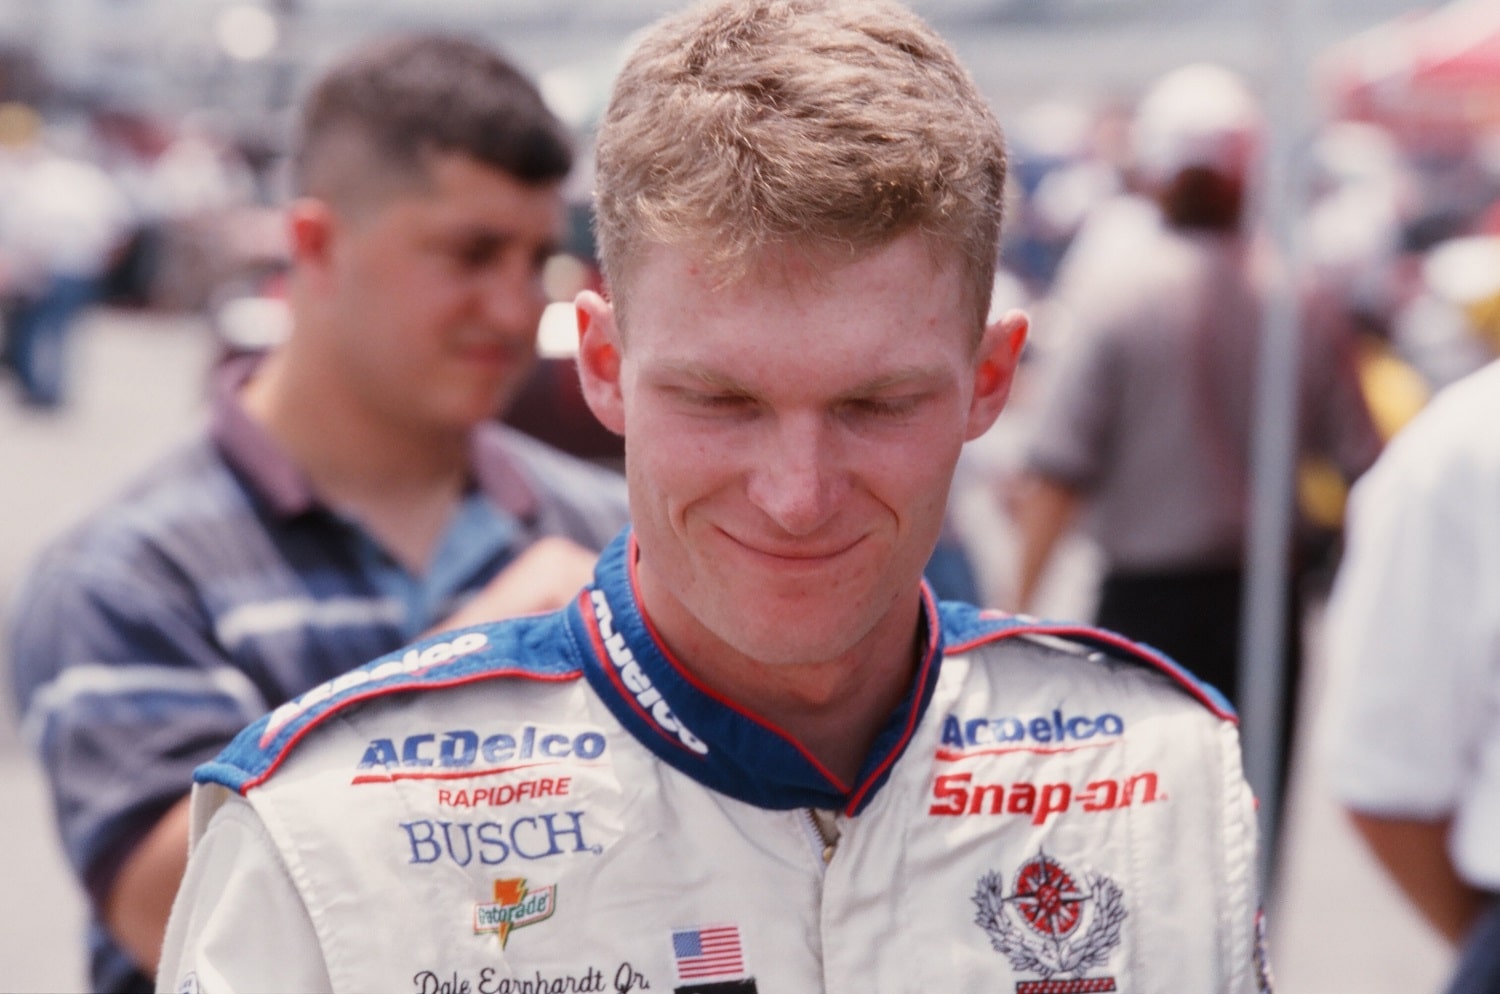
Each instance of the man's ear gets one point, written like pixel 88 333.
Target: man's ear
pixel 599 359
pixel 995 369
pixel 311 226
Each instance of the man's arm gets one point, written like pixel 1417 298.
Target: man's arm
pixel 1416 856
pixel 136 909
pixel 123 693
pixel 547 576
pixel 1043 510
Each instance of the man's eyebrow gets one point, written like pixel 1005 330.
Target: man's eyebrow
pixel 910 377
pixel 490 234
pixel 712 378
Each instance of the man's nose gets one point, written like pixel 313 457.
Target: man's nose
pixel 797 480
pixel 512 299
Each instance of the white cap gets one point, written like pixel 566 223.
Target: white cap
pixel 1200 115
pixel 1464 270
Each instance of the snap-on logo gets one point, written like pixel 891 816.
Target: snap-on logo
pixel 1055 732
pixel 412 661
pixel 636 680
pixel 958 794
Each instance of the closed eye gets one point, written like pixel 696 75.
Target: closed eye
pixel 477 252
pixel 718 402
pixel 888 408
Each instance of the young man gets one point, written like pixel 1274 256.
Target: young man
pixel 353 492
pixel 754 754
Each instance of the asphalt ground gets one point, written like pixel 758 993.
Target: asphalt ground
pixel 1337 926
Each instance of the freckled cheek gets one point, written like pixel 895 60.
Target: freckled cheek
pixel 675 471
pixel 912 487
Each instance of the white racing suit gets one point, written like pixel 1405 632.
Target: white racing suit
pixel 553 805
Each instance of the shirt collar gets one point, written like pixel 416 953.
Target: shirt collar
pixel 251 449
pixel 708 737
pixel 277 478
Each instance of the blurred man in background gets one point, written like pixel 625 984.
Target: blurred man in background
pixel 1147 419
pixel 1413 630
pixel 353 491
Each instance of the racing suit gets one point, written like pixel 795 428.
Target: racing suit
pixel 553 804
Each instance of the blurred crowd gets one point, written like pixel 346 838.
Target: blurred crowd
pixel 115 208
pixel 1398 237
pixel 136 209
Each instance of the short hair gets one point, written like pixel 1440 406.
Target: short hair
pixel 837 126
pixel 372 122
pixel 1203 199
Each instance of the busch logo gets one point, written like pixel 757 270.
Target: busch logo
pixel 1052 925
pixel 494 842
pixel 514 907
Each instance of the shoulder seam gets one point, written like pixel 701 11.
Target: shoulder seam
pixel 1143 653
pixel 340 708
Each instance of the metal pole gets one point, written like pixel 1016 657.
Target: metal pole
pixel 1288 25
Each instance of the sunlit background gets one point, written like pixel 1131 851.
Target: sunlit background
pixel 186 105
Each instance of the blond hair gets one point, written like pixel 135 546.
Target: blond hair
pixel 832 127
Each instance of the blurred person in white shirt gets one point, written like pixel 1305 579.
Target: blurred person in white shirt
pixel 61 221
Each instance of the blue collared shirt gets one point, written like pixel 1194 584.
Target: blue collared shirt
pixel 220 586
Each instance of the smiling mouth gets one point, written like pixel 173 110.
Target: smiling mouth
pixel 794 555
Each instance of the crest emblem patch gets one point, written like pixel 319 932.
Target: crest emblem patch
pixel 1052 924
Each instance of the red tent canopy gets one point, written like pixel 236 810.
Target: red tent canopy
pixel 1429 76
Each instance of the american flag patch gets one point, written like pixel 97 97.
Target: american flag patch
pixel 712 951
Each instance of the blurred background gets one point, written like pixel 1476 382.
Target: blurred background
pixel 172 117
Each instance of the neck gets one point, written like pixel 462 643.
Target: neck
pixel 834 708
pixel 399 480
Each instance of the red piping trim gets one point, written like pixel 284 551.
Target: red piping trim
pixel 596 639
pixel 1099 635
pixel 367 778
pixel 693 681
pixel 929 606
pixel 954 755
pixel 286 749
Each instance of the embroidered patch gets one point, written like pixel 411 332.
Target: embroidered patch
pixel 708 953
pixel 515 906
pixel 1052 925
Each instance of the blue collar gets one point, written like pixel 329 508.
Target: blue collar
pixel 707 737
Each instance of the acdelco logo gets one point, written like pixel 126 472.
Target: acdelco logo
pixel 957 794
pixel 636 680
pixel 1030 732
pixel 413 661
pixel 462 748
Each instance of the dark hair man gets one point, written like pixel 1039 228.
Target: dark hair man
pixel 353 491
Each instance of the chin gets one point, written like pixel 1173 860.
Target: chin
pixel 475 409
pixel 789 636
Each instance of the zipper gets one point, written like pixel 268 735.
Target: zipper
pixel 822 833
